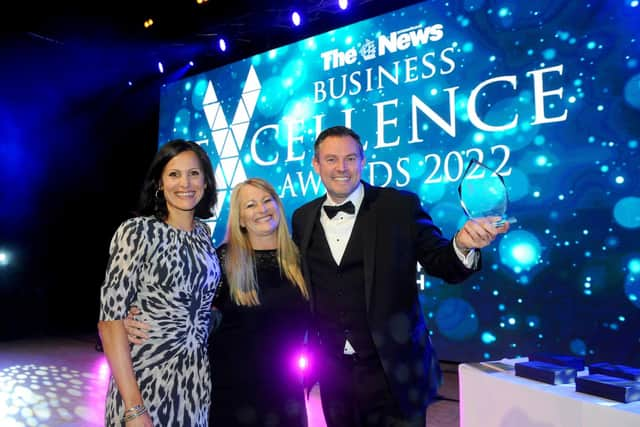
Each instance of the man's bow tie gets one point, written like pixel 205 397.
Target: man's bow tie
pixel 331 211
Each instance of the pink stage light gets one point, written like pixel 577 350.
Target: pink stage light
pixel 303 362
pixel 104 371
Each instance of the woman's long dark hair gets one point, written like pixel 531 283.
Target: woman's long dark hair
pixel 152 201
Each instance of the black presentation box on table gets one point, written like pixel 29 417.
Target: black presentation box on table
pixel 614 388
pixel 620 371
pixel 546 372
pixel 574 362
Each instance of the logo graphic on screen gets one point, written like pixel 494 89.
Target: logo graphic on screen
pixel 411 37
pixel 228 138
pixel 404 39
pixel 368 50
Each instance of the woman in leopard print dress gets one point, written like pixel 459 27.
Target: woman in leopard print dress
pixel 163 262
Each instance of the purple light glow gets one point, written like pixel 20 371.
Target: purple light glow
pixel 303 362
pixel 103 372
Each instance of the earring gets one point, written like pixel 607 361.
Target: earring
pixel 158 194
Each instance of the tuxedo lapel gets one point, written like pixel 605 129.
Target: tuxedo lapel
pixel 367 218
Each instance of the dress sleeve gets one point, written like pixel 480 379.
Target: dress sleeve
pixel 126 256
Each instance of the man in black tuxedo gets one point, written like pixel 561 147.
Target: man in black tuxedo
pixel 359 246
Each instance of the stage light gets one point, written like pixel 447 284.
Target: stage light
pixel 173 75
pixel 343 4
pixel 4 258
pixel 103 370
pixel 160 67
pixel 295 18
pixel 222 44
pixel 303 362
pixel 148 23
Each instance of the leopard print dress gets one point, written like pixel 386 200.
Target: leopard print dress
pixel 171 275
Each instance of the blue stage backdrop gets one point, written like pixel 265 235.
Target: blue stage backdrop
pixel 547 93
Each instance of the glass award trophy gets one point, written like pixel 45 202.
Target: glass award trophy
pixel 483 193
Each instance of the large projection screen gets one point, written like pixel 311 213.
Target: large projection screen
pixel 547 93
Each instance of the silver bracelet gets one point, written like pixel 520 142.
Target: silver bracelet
pixel 133 412
pixel 136 408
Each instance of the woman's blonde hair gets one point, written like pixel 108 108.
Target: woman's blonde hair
pixel 240 264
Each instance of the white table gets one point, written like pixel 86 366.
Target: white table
pixel 492 396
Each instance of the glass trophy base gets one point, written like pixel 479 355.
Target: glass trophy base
pixel 510 220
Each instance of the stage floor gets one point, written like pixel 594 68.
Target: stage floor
pixel 55 382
